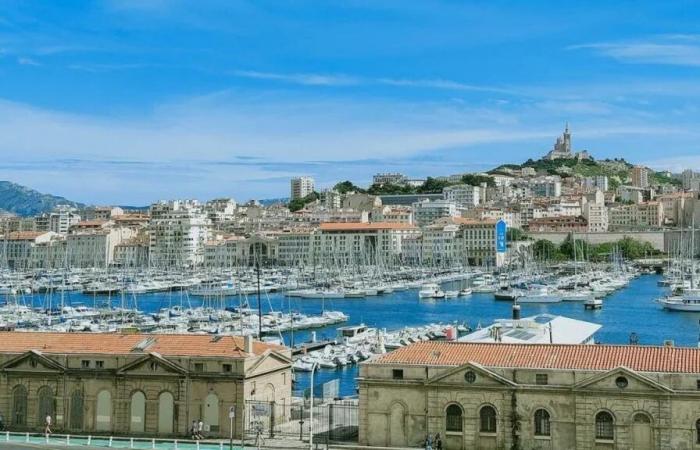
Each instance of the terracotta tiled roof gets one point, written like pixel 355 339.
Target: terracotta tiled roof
pixel 360 226
pixel 122 344
pixel 24 235
pixel 548 356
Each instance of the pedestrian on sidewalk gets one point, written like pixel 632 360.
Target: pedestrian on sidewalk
pixel 47 425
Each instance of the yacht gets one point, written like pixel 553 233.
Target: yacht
pixel 681 303
pixel 431 290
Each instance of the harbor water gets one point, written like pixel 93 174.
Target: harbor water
pixel 629 310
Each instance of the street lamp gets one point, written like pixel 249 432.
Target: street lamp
pixel 311 412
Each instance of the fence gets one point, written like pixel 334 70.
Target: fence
pixel 333 421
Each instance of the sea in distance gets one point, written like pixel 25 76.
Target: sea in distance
pixel 629 310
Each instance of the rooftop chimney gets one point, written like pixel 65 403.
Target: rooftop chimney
pixel 248 344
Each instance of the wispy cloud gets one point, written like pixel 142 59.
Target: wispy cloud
pixel 677 49
pixel 314 79
pixel 310 79
pixel 25 61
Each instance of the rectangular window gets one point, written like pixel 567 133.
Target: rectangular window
pixel 85 364
pixel 397 374
pixel 698 384
pixel 199 367
pixel 541 378
pixel 228 368
pixel 100 364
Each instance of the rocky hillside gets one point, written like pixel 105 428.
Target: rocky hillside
pixel 23 201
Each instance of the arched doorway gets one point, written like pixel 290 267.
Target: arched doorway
pixel 166 404
pixel 397 426
pixel 103 411
pixel 19 406
pixel 46 405
pixel 642 435
pixel 77 406
pixel 211 412
pixel 138 412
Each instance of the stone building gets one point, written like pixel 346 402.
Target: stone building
pixel 532 396
pixel 137 384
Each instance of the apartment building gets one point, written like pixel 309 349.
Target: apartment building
pixel 463 195
pixel 17 248
pixel 426 212
pixel 639 176
pixel 300 187
pixel 637 216
pixel 91 243
pixel 178 230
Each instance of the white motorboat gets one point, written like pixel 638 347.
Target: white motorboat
pixel 465 292
pixel 451 294
pixel 680 303
pixel 539 295
pixel 577 296
pixel 431 290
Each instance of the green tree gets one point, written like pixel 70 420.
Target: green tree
pixel 433 186
pixel 299 203
pixel 347 186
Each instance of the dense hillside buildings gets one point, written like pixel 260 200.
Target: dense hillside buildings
pixel 137 384
pixel 494 396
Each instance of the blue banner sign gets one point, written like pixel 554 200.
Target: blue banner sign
pixel 501 228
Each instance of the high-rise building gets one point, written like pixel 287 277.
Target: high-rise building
pixel 178 231
pixel 301 187
pixel 640 176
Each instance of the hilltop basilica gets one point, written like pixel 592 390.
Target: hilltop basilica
pixel 562 148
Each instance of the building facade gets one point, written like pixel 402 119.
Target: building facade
pixel 132 384
pixel 532 396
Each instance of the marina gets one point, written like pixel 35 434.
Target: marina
pixel 631 313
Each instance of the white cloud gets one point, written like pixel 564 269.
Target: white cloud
pixel 682 50
pixel 310 79
pixel 24 61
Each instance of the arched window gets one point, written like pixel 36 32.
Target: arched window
pixel 19 406
pixel 138 412
pixel 453 418
pixel 166 405
pixel 46 404
pixel 487 419
pixel 604 426
pixel 697 431
pixel 542 427
pixel 76 410
pixel 103 411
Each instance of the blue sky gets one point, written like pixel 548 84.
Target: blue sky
pixel 137 100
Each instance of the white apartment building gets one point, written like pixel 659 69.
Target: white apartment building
pixel 599 182
pixel 59 220
pixel 178 232
pixel 596 214
pixel 332 199
pixel 463 195
pixel 549 186
pixel 426 212
pixel 301 187
pixel 344 244
pixel 294 247
pixel 455 240
pixel 220 210
pixel 100 212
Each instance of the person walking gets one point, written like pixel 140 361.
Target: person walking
pixel 47 425
pixel 428 442
pixel 200 429
pixel 2 422
pixel 438 442
pixel 193 430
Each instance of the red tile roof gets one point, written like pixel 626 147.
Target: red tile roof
pixel 360 226
pixel 548 356
pixel 122 344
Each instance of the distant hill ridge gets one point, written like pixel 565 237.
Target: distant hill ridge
pixel 23 201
